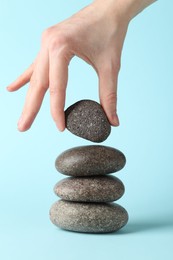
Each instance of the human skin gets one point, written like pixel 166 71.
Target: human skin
pixel 95 34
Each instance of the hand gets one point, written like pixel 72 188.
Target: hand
pixel 96 35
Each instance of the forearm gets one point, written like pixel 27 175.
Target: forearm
pixel 125 8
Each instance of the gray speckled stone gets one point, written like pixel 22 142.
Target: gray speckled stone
pixel 90 189
pixel 87 119
pixel 90 160
pixel 88 217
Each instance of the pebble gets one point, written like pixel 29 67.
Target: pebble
pixel 88 217
pixel 90 189
pixel 90 160
pixel 87 119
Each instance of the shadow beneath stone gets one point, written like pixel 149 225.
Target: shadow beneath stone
pixel 145 225
pixel 137 226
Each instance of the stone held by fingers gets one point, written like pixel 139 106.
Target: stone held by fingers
pixel 87 119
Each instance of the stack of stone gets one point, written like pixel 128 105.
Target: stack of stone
pixel 87 196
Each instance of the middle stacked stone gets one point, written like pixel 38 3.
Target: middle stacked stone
pixel 88 167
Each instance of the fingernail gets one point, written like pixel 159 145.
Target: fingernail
pixel 115 120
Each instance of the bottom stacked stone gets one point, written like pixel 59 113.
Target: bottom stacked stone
pixel 88 217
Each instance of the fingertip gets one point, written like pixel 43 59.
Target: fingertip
pixel 60 128
pixel 22 125
pixel 12 88
pixel 23 128
pixel 8 89
pixel 60 125
pixel 111 114
pixel 115 121
pixel 59 119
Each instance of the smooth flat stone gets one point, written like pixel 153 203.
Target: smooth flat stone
pixel 90 160
pixel 88 217
pixel 87 119
pixel 90 189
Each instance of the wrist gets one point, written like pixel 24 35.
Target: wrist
pixel 123 9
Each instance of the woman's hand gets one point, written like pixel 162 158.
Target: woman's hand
pixel 96 35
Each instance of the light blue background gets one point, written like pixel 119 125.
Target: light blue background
pixel 145 106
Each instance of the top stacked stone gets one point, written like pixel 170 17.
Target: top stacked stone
pixel 90 160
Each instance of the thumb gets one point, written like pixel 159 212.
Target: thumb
pixel 108 78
